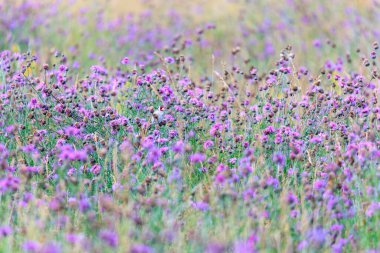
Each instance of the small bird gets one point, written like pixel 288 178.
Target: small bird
pixel 158 116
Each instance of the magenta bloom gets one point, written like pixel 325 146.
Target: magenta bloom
pixel 31 246
pixel 33 103
pixel 141 248
pixel 208 144
pixel 197 158
pixel 178 147
pixel 110 237
pixel 5 230
pixel 169 60
pixel 95 169
pixel 279 159
pixel 319 184
pixel 72 131
pixel 153 155
pixel 125 61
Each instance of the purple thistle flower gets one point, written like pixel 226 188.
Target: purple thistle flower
pixel 169 60
pixel 178 147
pixel 372 209
pixel 317 236
pixel 5 231
pixel 153 155
pixel 201 206
pixel 33 103
pixel 125 61
pixel 279 159
pixel 51 247
pixel 208 144
pixel 110 237
pixel 319 184
pixel 95 169
pixel 32 246
pixel 141 248
pixel 197 158
pixel 74 238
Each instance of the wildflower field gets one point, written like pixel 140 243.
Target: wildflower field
pixel 148 126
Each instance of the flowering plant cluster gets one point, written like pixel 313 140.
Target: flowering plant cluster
pixel 185 130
